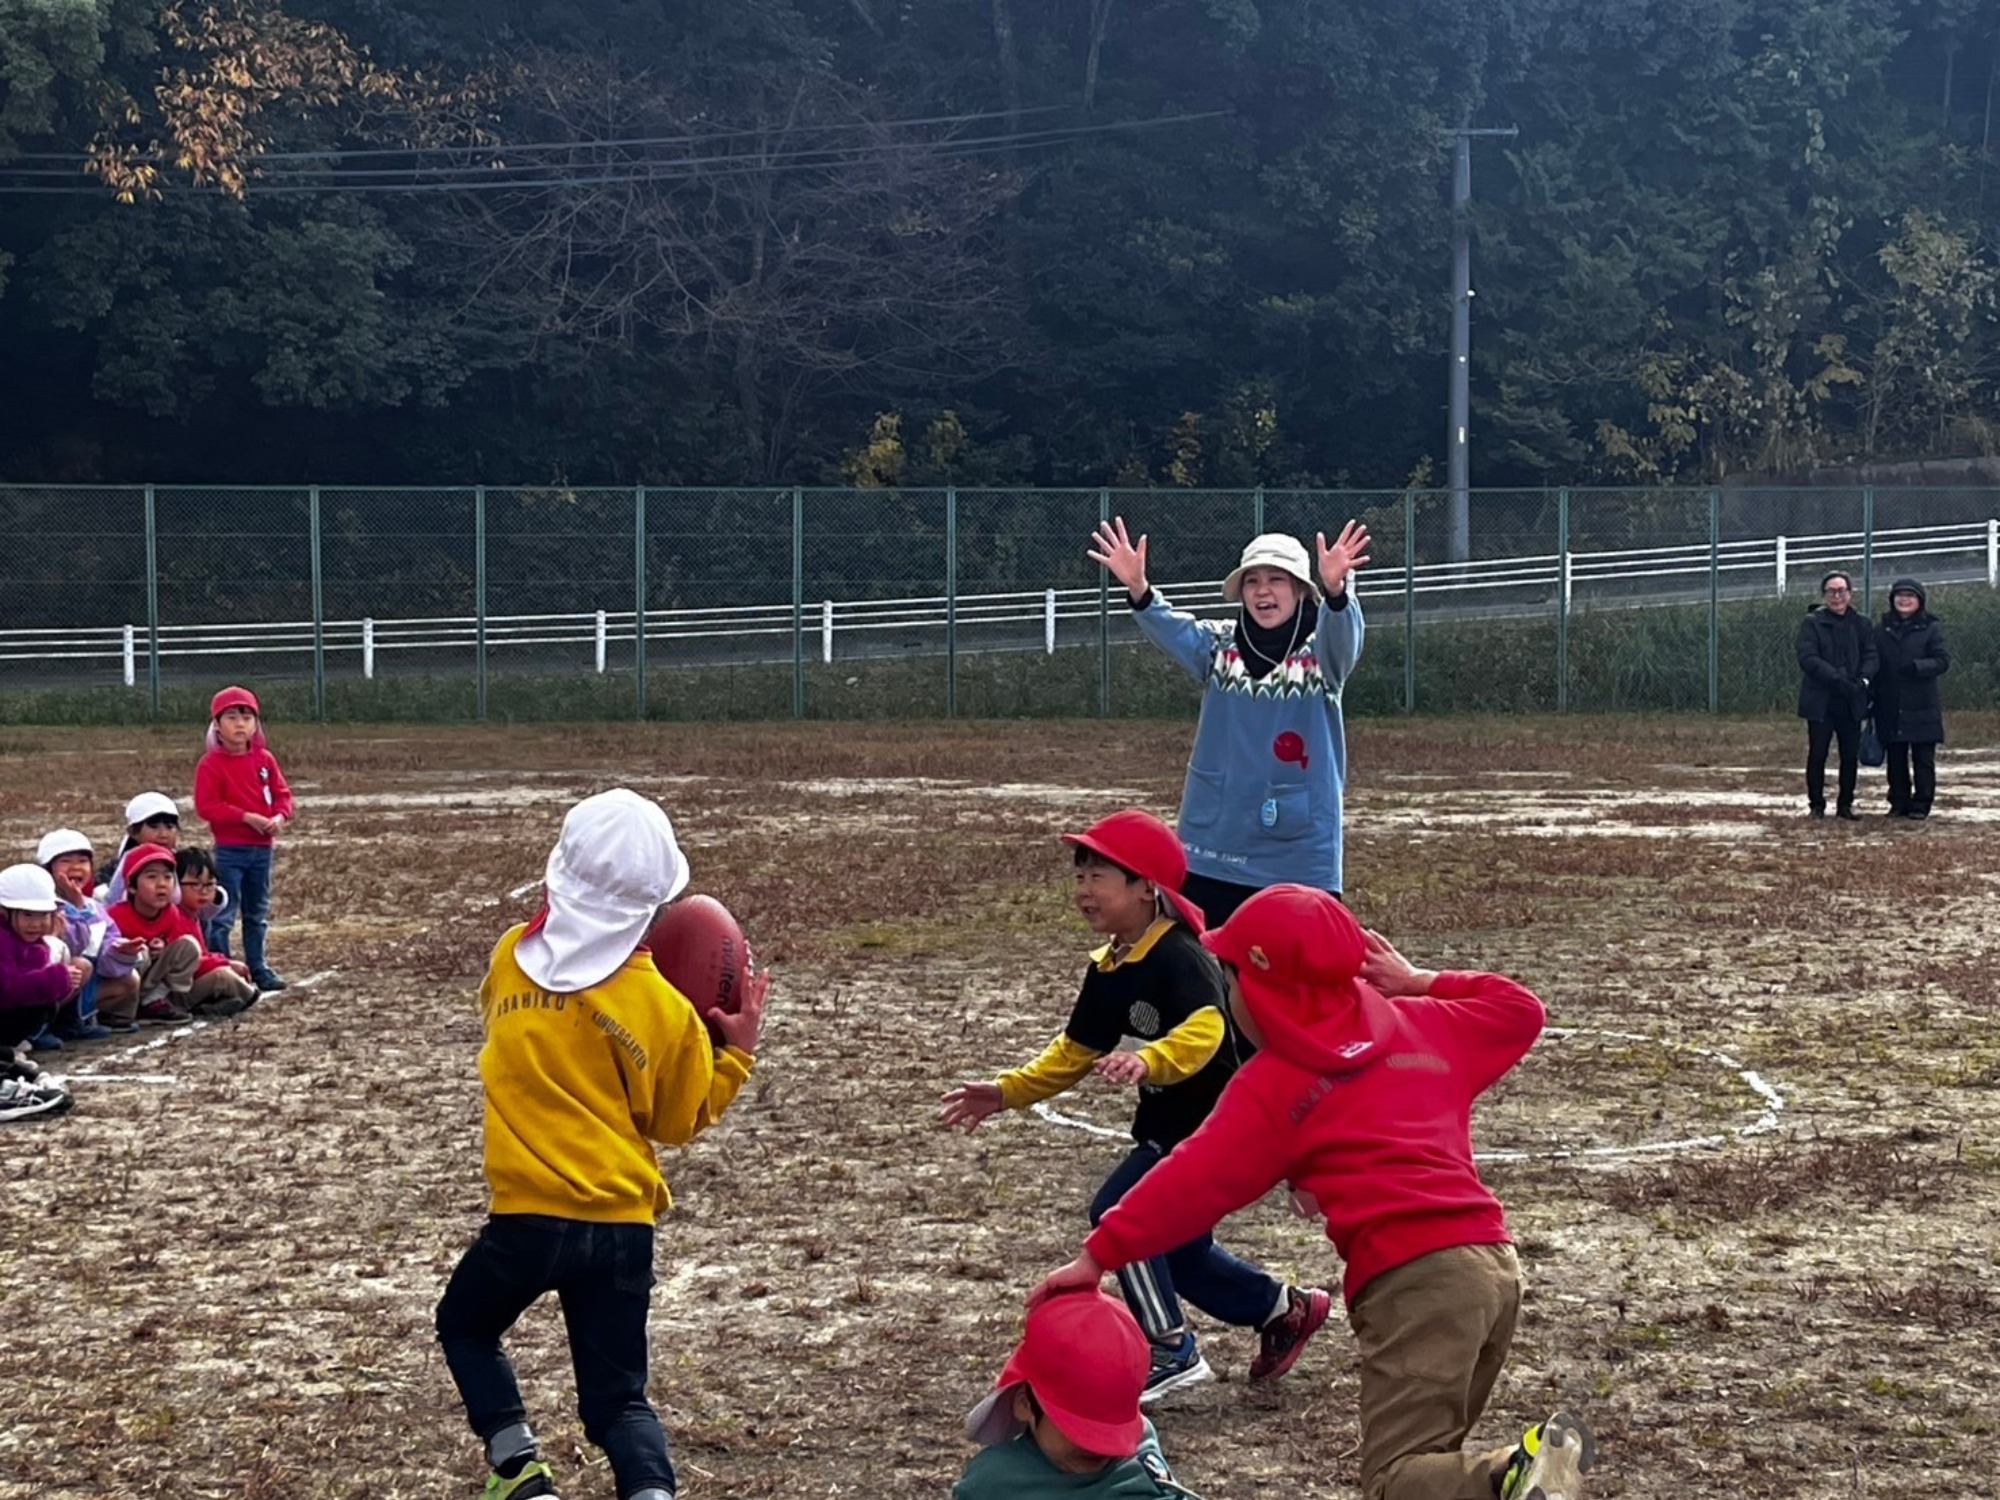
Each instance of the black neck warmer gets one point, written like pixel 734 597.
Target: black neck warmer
pixel 1264 651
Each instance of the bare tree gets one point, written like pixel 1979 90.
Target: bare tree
pixel 796 241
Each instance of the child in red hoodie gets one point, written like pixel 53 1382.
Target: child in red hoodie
pixel 1361 1098
pixel 241 794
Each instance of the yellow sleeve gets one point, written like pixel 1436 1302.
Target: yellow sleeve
pixel 691 1083
pixel 1061 1064
pixel 1186 1050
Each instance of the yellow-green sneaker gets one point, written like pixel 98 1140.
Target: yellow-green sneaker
pixel 1550 1462
pixel 536 1481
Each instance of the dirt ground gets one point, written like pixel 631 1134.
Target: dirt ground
pixel 1753 1168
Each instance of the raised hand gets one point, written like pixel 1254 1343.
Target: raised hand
pixel 965 1106
pixel 1113 547
pixel 1342 556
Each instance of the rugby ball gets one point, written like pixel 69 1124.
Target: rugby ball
pixel 699 949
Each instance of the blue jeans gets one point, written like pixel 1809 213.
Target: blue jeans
pixel 244 871
pixel 1227 1289
pixel 603 1274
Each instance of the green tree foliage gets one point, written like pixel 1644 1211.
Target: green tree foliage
pixel 1732 236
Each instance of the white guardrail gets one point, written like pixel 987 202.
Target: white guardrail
pixel 1544 577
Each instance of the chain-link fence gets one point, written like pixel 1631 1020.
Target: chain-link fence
pixel 472 602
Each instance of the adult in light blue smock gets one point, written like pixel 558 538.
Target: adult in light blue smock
pixel 1262 804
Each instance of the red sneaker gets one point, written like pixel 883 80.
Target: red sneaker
pixel 1285 1336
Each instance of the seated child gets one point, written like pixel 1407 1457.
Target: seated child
pixel 1360 1095
pixel 222 985
pixel 1064 1420
pixel 150 818
pixel 111 994
pixel 36 976
pixel 1153 982
pixel 173 948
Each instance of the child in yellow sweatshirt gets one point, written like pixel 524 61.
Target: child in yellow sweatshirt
pixel 590 1057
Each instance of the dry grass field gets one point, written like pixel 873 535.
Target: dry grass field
pixel 1754 1167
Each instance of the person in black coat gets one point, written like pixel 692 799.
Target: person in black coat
pixel 1908 715
pixel 1837 655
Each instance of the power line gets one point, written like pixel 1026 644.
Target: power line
pixel 80 158
pixel 666 169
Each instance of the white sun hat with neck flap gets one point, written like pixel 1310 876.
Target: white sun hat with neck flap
pixel 615 865
pixel 1272 550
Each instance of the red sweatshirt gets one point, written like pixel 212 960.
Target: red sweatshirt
pixel 1385 1144
pixel 228 786
pixel 171 923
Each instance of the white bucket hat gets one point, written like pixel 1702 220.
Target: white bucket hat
pixel 59 842
pixel 1272 550
pixel 27 888
pixel 614 866
pixel 150 805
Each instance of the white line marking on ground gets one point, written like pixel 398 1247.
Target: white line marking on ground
pixel 96 1066
pixel 1764 1124
pixel 521 890
pixel 1071 1122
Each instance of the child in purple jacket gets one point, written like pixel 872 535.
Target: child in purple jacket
pixel 36 976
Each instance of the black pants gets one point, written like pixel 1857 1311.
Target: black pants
pixel 603 1274
pixel 1902 796
pixel 1839 724
pixel 1218 899
pixel 17 1025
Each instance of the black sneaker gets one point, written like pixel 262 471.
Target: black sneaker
pixel 1175 1366
pixel 268 980
pixel 22 1100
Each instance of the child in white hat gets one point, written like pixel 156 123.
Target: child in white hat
pixel 590 1057
pixel 1265 783
pixel 110 997
pixel 150 818
pixel 37 974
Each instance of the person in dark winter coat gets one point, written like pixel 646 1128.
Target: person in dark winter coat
pixel 1838 657
pixel 1908 715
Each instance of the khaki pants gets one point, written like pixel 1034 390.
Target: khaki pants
pixel 170 971
pixel 1433 1335
pixel 220 984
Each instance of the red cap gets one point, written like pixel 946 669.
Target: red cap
pixel 233 697
pixel 1296 952
pixel 1139 842
pixel 136 859
pixel 1086 1361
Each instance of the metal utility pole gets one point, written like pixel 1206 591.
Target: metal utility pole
pixel 1457 458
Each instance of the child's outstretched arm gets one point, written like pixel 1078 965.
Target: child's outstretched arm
pixel 1233 1160
pixel 1062 1063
